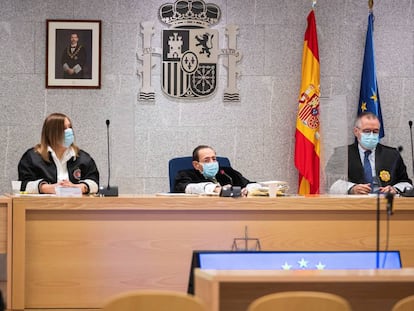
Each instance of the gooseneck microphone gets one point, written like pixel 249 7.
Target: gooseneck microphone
pixel 229 191
pixel 109 191
pixel 410 124
pixel 222 172
pixel 409 192
pixel 378 220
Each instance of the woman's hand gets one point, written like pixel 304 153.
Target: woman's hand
pixel 68 183
pixel 50 188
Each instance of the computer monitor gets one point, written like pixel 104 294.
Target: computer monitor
pixel 287 260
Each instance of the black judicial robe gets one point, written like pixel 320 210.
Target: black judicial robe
pixel 190 176
pixel 389 165
pixel 32 167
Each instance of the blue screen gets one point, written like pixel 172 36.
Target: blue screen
pixel 357 260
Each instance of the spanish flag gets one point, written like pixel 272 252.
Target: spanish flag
pixel 307 147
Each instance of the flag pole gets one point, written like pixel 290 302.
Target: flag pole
pixel 313 4
pixel 370 6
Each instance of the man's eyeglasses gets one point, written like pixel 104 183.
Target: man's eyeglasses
pixel 369 131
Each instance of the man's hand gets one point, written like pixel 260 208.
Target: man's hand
pixel 217 189
pixel 361 189
pixel 389 189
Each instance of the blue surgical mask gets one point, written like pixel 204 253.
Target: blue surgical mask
pixel 210 169
pixel 369 140
pixel 69 138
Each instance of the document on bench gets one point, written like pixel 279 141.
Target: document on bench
pixel 68 192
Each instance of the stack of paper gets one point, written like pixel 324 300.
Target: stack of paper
pixel 68 192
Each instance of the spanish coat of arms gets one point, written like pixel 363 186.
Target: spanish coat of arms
pixel 190 52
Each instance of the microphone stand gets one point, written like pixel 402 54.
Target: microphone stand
pixel 109 191
pixel 409 192
pixel 378 230
pixel 390 198
pixel 376 183
pixel 232 191
pixel 410 124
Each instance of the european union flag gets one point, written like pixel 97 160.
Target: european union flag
pixel 369 99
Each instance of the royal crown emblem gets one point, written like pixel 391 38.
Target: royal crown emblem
pixel 189 49
pixel 190 52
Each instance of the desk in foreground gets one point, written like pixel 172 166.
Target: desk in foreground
pixel 366 290
pixel 5 245
pixel 76 252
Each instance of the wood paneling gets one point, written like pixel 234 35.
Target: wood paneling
pixel 76 252
pixel 4 203
pixel 369 290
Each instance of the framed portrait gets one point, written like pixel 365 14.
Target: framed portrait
pixel 73 54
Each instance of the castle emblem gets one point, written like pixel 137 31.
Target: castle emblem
pixel 309 107
pixel 190 52
pixel 189 49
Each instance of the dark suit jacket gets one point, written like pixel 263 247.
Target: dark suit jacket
pixel 389 165
pixel 186 177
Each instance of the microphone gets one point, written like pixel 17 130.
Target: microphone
pixel 409 191
pixel 410 124
pixel 222 172
pixel 108 191
pixel 390 198
pixel 232 191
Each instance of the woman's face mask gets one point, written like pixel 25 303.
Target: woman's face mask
pixel 69 138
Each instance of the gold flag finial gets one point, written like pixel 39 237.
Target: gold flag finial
pixel 370 4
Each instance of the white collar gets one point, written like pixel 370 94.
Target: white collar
pixel 69 153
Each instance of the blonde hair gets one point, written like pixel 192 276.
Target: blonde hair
pixel 53 134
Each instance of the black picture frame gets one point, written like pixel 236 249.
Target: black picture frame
pixel 83 63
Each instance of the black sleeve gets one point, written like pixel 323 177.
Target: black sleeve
pixel 63 58
pixel 238 178
pixel 92 171
pixel 28 170
pixel 82 57
pixel 186 177
pixel 401 170
pixel 83 168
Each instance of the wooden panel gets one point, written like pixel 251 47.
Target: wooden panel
pixel 91 248
pixel 5 243
pixel 4 202
pixel 365 290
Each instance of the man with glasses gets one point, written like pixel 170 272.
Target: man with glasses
pixel 372 167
